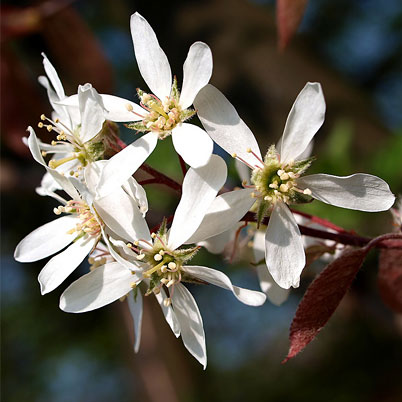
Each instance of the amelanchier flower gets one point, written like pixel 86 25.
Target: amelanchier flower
pixel 81 228
pixel 83 135
pixel 163 111
pixel 157 263
pixel 277 179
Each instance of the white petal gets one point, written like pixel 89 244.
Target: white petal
pixel 193 144
pixel 169 314
pixel 200 187
pixel 36 153
pixel 151 59
pixel 120 213
pixel 124 257
pixel 122 165
pixel 224 213
pixel 304 120
pixel 53 77
pixel 360 191
pixel 54 100
pixel 63 264
pixel 218 278
pixel 135 190
pixel 274 292
pixel 46 240
pixel 119 210
pixel 99 287
pixel 224 125
pixel 192 329
pixel 216 244
pixel 92 112
pixel 197 71
pixel 135 305
pixel 116 109
pixel 284 253
pixel 243 171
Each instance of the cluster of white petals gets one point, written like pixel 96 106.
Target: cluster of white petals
pixel 102 210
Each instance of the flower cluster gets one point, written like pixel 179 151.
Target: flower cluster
pixel 102 208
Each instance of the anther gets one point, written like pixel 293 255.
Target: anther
pixel 170 283
pixel 162 252
pixel 42 117
pixel 172 265
pixel 157 257
pixel 153 235
pixel 167 302
pixel 284 188
pixel 133 285
pixel 129 245
pixel 307 191
pixel 129 107
pixel 44 153
pixel 40 124
pixel 49 128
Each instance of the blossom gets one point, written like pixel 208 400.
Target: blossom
pixel 157 263
pixel 277 179
pixel 83 225
pixel 83 135
pixel 163 112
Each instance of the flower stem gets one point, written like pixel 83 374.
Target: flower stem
pixel 346 238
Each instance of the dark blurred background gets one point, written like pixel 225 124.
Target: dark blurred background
pixel 355 50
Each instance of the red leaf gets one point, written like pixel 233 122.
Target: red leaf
pixel 288 16
pixel 322 298
pixel 390 278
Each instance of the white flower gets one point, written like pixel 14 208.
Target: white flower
pixel 82 132
pixel 82 227
pixel 160 264
pixel 277 180
pixel 162 112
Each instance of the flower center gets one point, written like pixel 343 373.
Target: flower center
pixel 161 266
pixel 163 115
pixel 89 223
pixel 83 153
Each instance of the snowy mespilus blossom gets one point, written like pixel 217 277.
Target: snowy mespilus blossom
pixel 83 135
pixel 277 179
pixel 83 225
pixel 157 263
pixel 162 112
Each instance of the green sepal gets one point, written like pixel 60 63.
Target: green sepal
pixel 162 228
pixel 300 167
pixel 299 198
pixel 94 150
pixel 175 93
pixel 187 114
pixel 154 281
pixel 191 279
pixel 137 126
pixel 186 254
pixel 271 155
pixel 262 211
